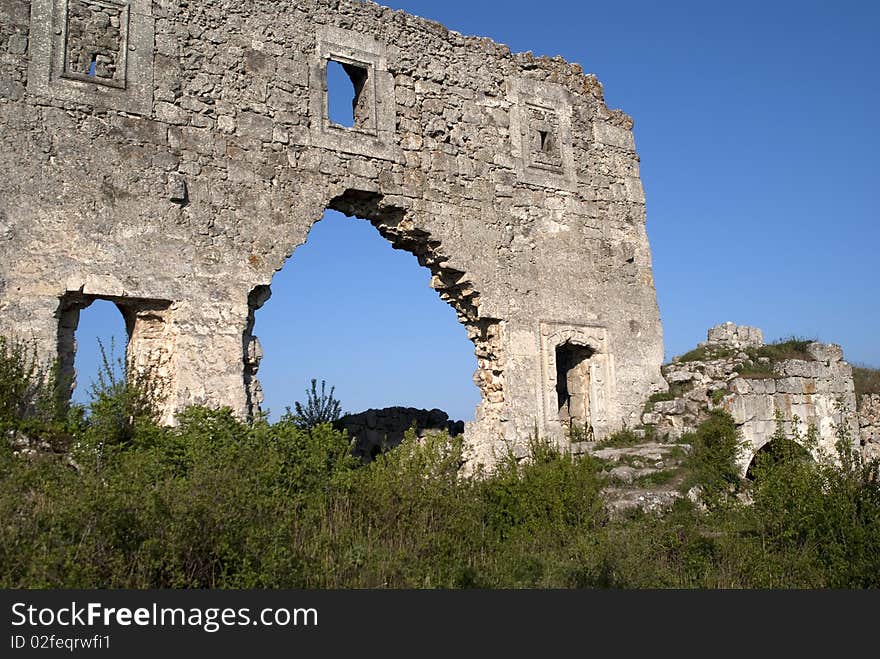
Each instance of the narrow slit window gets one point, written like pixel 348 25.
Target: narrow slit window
pixel 546 142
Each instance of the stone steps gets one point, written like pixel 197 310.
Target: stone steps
pixel 631 472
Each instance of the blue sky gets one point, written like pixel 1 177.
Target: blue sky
pixel 756 124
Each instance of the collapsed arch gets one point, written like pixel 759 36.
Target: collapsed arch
pixel 453 286
pixel 780 450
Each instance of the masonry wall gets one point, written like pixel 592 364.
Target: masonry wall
pixel 816 390
pixel 869 424
pixel 376 431
pixel 185 168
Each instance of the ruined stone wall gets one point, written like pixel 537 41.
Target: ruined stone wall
pixel 377 430
pixel 814 391
pixel 174 154
pixel 869 424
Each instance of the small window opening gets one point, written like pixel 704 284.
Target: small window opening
pixel 546 141
pixel 573 384
pixel 346 99
pixel 93 337
pixel 93 65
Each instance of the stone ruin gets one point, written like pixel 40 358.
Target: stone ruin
pixel 815 389
pixel 376 431
pixel 170 156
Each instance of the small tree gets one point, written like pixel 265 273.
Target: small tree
pixel 318 408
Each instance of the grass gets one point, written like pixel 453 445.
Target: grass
pixel 216 502
pixel 620 439
pixel 656 478
pixel 756 370
pixel 760 364
pixel 782 350
pixel 676 390
pixel 705 354
pixel 866 379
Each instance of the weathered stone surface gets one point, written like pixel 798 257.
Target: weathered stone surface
pixel 506 175
pixel 802 393
pixel 735 336
pixel 869 424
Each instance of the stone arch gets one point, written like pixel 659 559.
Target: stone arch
pixel 454 286
pixel 777 450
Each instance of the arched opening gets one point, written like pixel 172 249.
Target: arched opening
pixel 349 309
pixel 775 452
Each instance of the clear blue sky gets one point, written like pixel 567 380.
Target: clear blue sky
pixel 756 123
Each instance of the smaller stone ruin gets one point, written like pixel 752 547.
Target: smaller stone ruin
pixel 378 430
pixel 734 336
pixel 734 370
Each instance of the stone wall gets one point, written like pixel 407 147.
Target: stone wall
pixel 378 430
pixel 735 336
pixel 869 424
pixel 188 160
pixel 816 390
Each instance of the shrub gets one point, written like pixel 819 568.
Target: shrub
pixel 620 439
pixel 318 408
pixel 712 461
pixel 124 401
pixel 827 512
pixel 706 353
pixel 866 380
pixel 27 386
pixel 217 502
pixel 783 349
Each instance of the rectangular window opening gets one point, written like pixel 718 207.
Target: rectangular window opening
pixel 347 99
pixel 573 384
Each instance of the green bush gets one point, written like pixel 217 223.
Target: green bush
pixel 706 353
pixel 318 408
pixel 866 380
pixel 783 349
pixel 712 461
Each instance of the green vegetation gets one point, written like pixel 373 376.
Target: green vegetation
pixel 676 390
pixel 318 408
pixel 761 360
pixel 577 432
pixel 706 353
pixel 711 461
pixel 220 503
pixel 626 437
pixel 866 379
pixel 778 351
pixel 656 478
